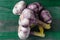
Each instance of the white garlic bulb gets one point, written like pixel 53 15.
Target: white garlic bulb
pixel 23 32
pixel 19 7
pixel 23 22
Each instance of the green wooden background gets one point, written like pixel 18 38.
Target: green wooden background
pixel 9 21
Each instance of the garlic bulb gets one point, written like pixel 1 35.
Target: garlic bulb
pixel 19 7
pixel 36 7
pixel 28 14
pixel 46 16
pixel 23 22
pixel 23 32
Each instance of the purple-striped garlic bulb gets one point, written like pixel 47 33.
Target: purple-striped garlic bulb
pixel 45 14
pixel 36 7
pixel 28 14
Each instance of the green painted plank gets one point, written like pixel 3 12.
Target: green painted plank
pixel 11 35
pixel 6 26
pixel 8 15
pixel 47 3
pixel 8 35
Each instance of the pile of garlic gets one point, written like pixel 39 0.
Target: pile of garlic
pixel 28 15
